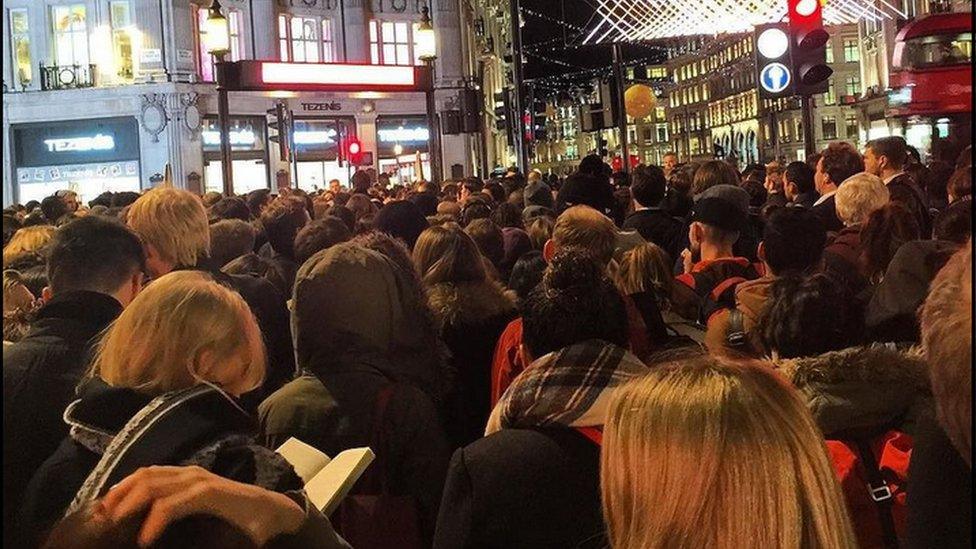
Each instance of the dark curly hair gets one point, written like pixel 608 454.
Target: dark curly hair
pixel 575 302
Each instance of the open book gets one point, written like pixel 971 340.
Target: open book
pixel 326 480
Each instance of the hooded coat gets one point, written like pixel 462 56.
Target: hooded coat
pixel 359 326
pixel 471 317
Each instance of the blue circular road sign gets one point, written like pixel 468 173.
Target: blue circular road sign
pixel 775 77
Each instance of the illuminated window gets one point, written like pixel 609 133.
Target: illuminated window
pixel 205 61
pixel 852 85
pixel 829 54
pixel 851 52
pixel 851 122
pixel 830 98
pixel 829 127
pixel 121 19
pixel 69 25
pixel 391 43
pixel 21 47
pixel 305 39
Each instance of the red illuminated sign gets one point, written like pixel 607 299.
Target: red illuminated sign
pixel 251 75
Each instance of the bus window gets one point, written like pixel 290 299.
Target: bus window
pixel 937 51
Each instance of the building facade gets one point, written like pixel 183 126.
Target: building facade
pixel 104 94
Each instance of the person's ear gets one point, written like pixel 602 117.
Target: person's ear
pixel 761 251
pixel 695 232
pixel 46 293
pixel 525 355
pixel 549 250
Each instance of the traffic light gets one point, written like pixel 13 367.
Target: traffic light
pixel 808 45
pixel 539 117
pixel 774 72
pixel 354 151
pixel 278 130
pixel 601 147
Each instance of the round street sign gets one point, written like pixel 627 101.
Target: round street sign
pixel 775 77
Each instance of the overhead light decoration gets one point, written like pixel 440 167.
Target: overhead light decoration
pixel 638 20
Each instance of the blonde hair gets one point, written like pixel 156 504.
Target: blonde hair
pixel 645 268
pixel 174 222
pixel 705 453
pixel 947 338
pixel 445 253
pixel 160 340
pixel 584 228
pixel 858 196
pixel 27 240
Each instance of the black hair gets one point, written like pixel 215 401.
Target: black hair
pixel 793 240
pixel 893 147
pixel 281 222
pixel 104 199
pixel 360 182
pixel 230 239
pixel 400 219
pixel 256 200
pixel 425 201
pixel 593 165
pixel 473 184
pixel 574 303
pixel 474 209
pixel 30 205
pixel 507 214
pixel 10 226
pixel 53 208
pixel 93 253
pixel 124 198
pixel 260 267
pixel 955 224
pixel 799 174
pixel 320 234
pixel 230 207
pixel 35 218
pixel 496 191
pixel 343 213
pixel 527 274
pixel 808 316
pixel 648 186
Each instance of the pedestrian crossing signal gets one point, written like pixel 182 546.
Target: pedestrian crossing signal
pixel 774 73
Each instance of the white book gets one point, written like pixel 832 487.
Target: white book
pixel 327 480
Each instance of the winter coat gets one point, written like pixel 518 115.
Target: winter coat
pixel 40 374
pixel 536 488
pixel 659 227
pixel 471 317
pixel 115 431
pixel 904 190
pixel 842 258
pixel 827 210
pixel 862 389
pixel 750 299
pixel 805 200
pixel 360 328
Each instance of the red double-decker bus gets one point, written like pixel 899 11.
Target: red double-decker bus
pixel 931 75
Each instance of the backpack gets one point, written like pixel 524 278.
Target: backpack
pixel 715 285
pixel 873 474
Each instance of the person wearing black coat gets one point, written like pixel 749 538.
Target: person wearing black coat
pixel 648 188
pixel 173 226
pixel 95 268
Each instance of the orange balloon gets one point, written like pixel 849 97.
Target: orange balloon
pixel 639 101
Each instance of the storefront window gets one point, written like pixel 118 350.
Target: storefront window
pixel 70 34
pixel 85 156
pixel 248 153
pixel 121 18
pixel 21 48
pixel 399 140
pixel 317 152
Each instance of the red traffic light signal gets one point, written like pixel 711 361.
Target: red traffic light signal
pixel 353 150
pixel 808 41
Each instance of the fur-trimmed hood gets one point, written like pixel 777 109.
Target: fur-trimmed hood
pixel 469 302
pixel 861 388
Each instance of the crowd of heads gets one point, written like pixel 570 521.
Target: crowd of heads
pixel 798 256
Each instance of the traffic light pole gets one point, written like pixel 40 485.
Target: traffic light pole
pixel 618 75
pixel 809 141
pixel 433 129
pixel 518 132
pixel 223 120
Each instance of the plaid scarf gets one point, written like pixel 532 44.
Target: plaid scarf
pixel 571 387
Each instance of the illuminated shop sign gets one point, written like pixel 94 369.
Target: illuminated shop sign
pixel 241 138
pixel 98 142
pixel 403 135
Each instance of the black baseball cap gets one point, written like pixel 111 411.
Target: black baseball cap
pixel 720 213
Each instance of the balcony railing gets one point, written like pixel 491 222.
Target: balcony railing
pixel 67 77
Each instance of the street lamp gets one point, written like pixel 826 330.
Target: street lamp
pixel 425 43
pixel 217 42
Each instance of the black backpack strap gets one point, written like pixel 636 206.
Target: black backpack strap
pixel 879 491
pixel 735 336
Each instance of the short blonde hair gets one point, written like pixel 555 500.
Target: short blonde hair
pixel 947 338
pixel 584 228
pixel 680 467
pixel 858 196
pixel 159 341
pixel 174 222
pixel 646 268
pixel 26 241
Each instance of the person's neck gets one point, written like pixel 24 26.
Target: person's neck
pixel 711 251
pixel 827 189
pixel 888 173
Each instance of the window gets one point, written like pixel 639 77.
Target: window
pixel 205 61
pixel 829 126
pixel 304 39
pixel 69 25
pixel 830 98
pixel 21 47
pixel 234 22
pixel 851 52
pixel 829 53
pixel 936 51
pixel 391 43
pixel 851 122
pixel 121 19
pixel 852 85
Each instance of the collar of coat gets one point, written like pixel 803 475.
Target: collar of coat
pixel 469 302
pixel 860 388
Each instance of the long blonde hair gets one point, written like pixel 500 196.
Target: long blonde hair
pixel 27 240
pixel 645 268
pixel 173 330
pixel 705 453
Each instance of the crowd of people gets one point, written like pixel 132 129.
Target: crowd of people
pixel 680 356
